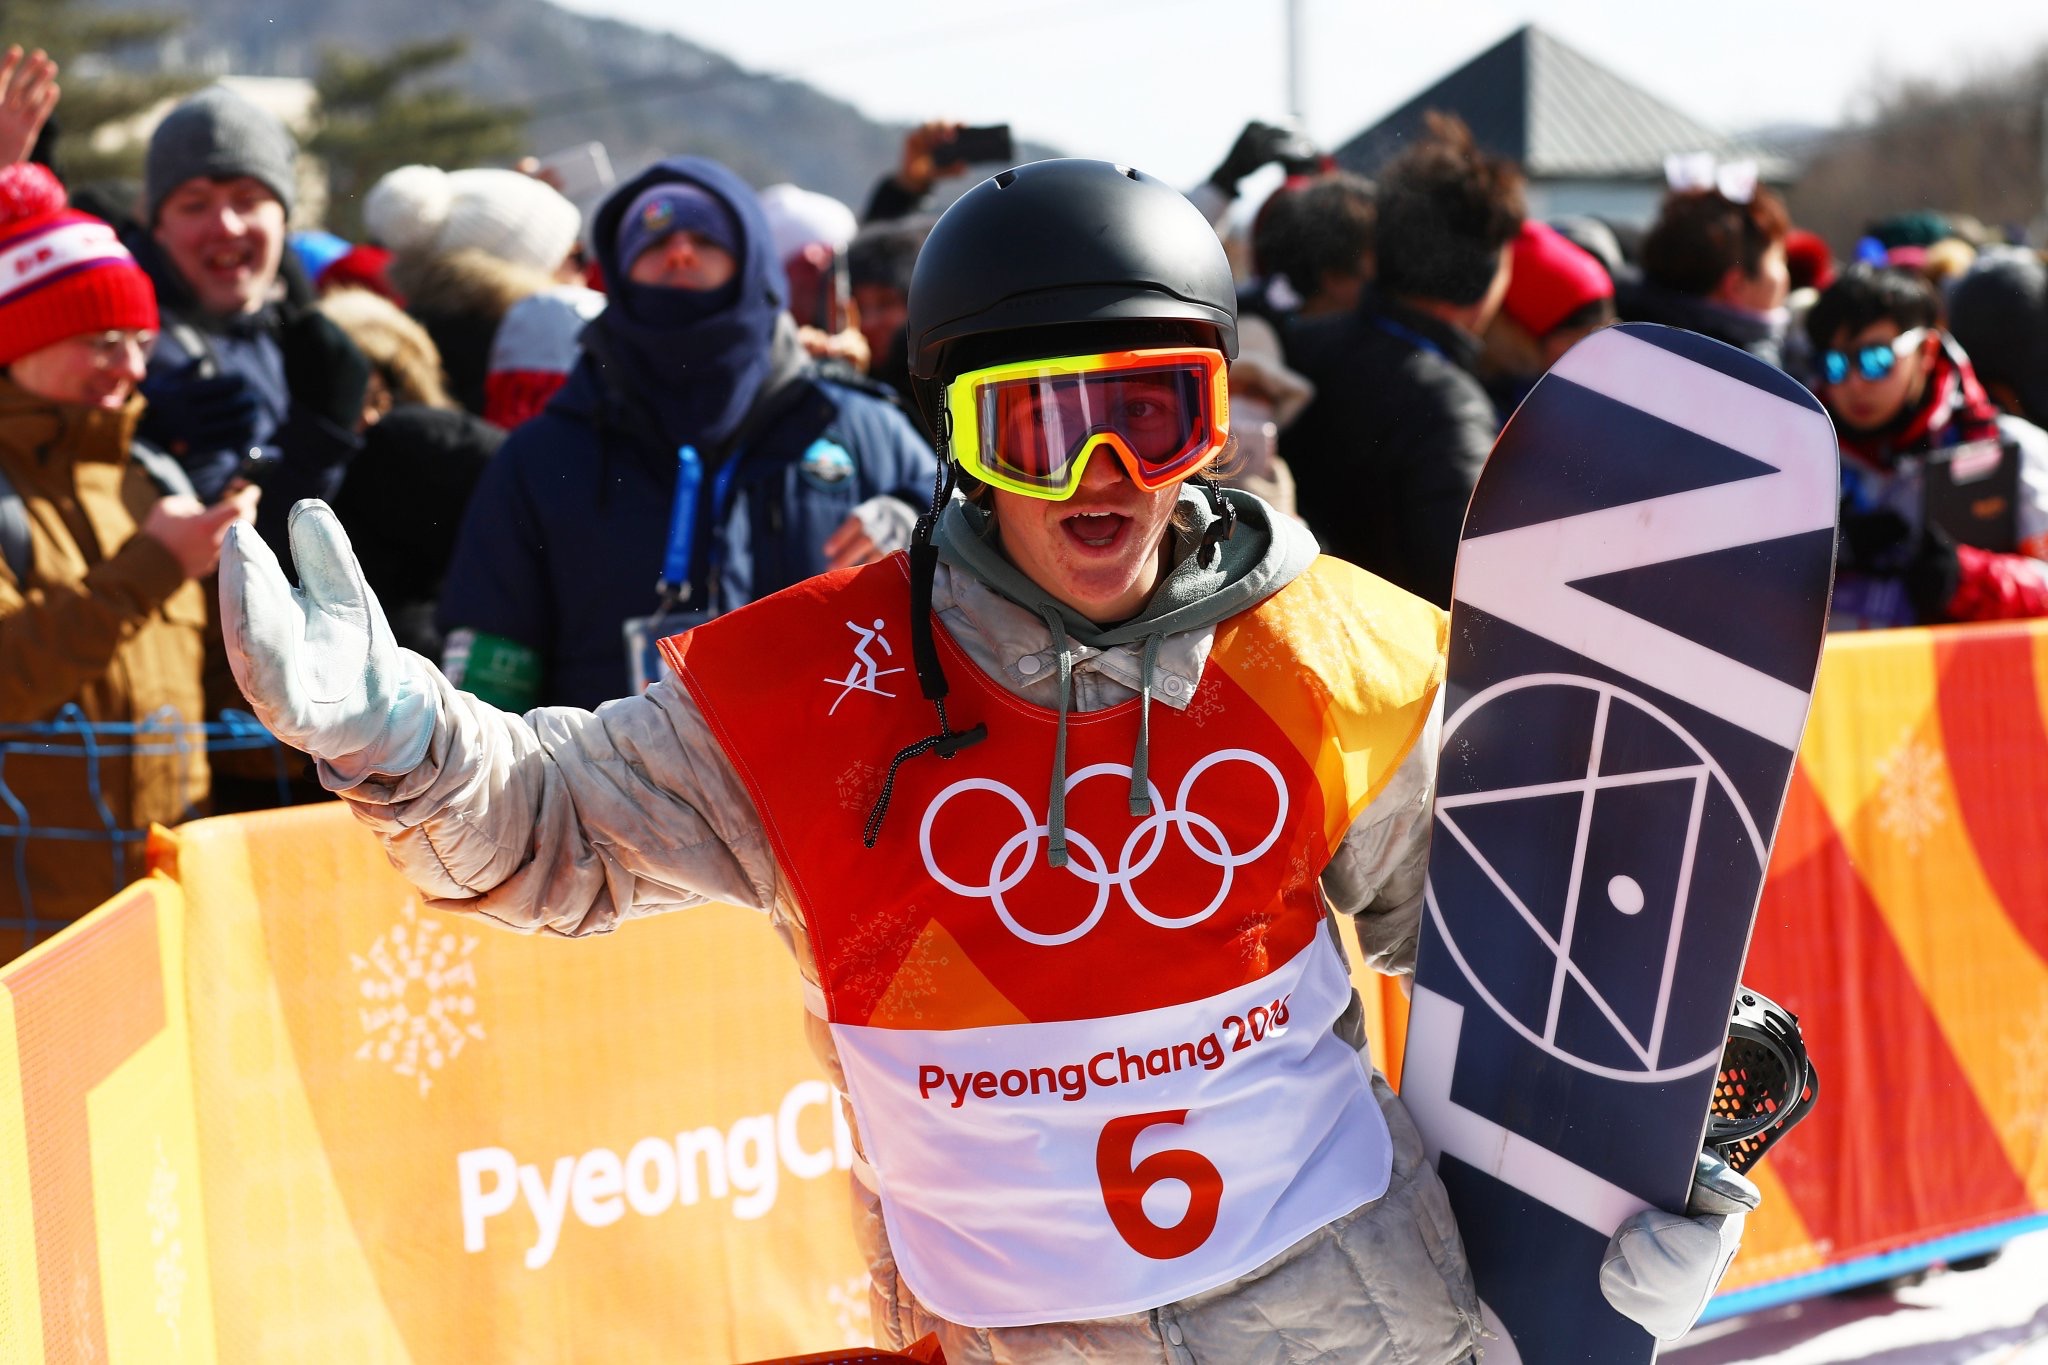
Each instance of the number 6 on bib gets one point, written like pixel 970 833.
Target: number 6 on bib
pixel 1124 1187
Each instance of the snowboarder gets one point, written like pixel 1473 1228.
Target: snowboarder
pixel 1068 940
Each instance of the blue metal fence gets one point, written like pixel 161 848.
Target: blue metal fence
pixel 90 744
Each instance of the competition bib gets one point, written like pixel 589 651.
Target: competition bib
pixel 1133 1160
pixel 1095 1089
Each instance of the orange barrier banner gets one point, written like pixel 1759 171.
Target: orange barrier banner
pixel 1906 921
pixel 102 1243
pixel 474 1145
pixel 418 1137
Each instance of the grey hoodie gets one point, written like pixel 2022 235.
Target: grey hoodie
pixel 1198 593
pixel 571 822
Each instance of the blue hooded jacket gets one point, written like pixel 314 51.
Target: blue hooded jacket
pixel 566 534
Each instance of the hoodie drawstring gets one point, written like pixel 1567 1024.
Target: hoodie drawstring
pixel 1141 758
pixel 1056 799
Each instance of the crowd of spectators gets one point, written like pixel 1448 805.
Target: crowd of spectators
pixel 555 436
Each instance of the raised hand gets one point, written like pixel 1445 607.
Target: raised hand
pixel 318 663
pixel 920 166
pixel 1258 144
pixel 28 92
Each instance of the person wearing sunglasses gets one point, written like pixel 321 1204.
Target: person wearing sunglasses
pixel 1054 810
pixel 101 548
pixel 1913 419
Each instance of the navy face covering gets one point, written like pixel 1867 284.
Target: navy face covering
pixel 696 358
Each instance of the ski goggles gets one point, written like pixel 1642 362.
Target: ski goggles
pixel 1031 427
pixel 1871 362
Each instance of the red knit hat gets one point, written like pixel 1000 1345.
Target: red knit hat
pixel 62 273
pixel 361 267
pixel 1553 278
pixel 1808 259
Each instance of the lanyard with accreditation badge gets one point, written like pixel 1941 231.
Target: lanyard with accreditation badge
pixel 674 615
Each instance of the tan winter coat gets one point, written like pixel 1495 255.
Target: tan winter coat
pixel 108 620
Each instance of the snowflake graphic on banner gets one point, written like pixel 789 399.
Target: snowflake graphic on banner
pixel 419 988
pixel 80 1311
pixel 164 1237
pixel 2029 1053
pixel 1912 783
pixel 848 1301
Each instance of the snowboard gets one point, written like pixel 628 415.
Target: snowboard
pixel 1640 601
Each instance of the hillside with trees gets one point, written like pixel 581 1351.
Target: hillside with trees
pixel 571 78
pixel 1976 143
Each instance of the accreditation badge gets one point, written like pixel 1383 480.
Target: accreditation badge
pixel 643 636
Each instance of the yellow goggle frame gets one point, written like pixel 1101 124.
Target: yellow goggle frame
pixel 1182 439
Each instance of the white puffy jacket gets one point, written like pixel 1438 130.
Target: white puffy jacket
pixel 572 822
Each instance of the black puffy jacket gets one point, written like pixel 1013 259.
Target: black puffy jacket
pixel 1385 457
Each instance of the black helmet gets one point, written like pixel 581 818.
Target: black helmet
pixel 1059 243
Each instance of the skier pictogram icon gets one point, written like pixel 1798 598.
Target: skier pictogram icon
pixel 866 672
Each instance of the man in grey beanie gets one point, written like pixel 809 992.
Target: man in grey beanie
pixel 217 134
pixel 219 186
pixel 248 379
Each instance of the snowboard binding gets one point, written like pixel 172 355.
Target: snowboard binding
pixel 1767 1083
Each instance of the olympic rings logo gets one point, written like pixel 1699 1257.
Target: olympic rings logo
pixel 1141 848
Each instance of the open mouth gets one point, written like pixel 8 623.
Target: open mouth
pixel 229 260
pixel 1096 530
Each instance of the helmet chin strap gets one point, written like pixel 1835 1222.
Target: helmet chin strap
pixel 924 649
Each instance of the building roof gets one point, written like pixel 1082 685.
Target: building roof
pixel 1556 111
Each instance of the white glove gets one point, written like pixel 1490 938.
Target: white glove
pixel 1661 1268
pixel 318 663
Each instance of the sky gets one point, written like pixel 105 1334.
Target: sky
pixel 1164 85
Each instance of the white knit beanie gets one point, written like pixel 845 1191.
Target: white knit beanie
pixel 799 217
pixel 425 211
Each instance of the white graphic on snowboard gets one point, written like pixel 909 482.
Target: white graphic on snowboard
pixel 1525 576
pixel 1621 894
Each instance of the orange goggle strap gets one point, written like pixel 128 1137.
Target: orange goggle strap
pixel 961 418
